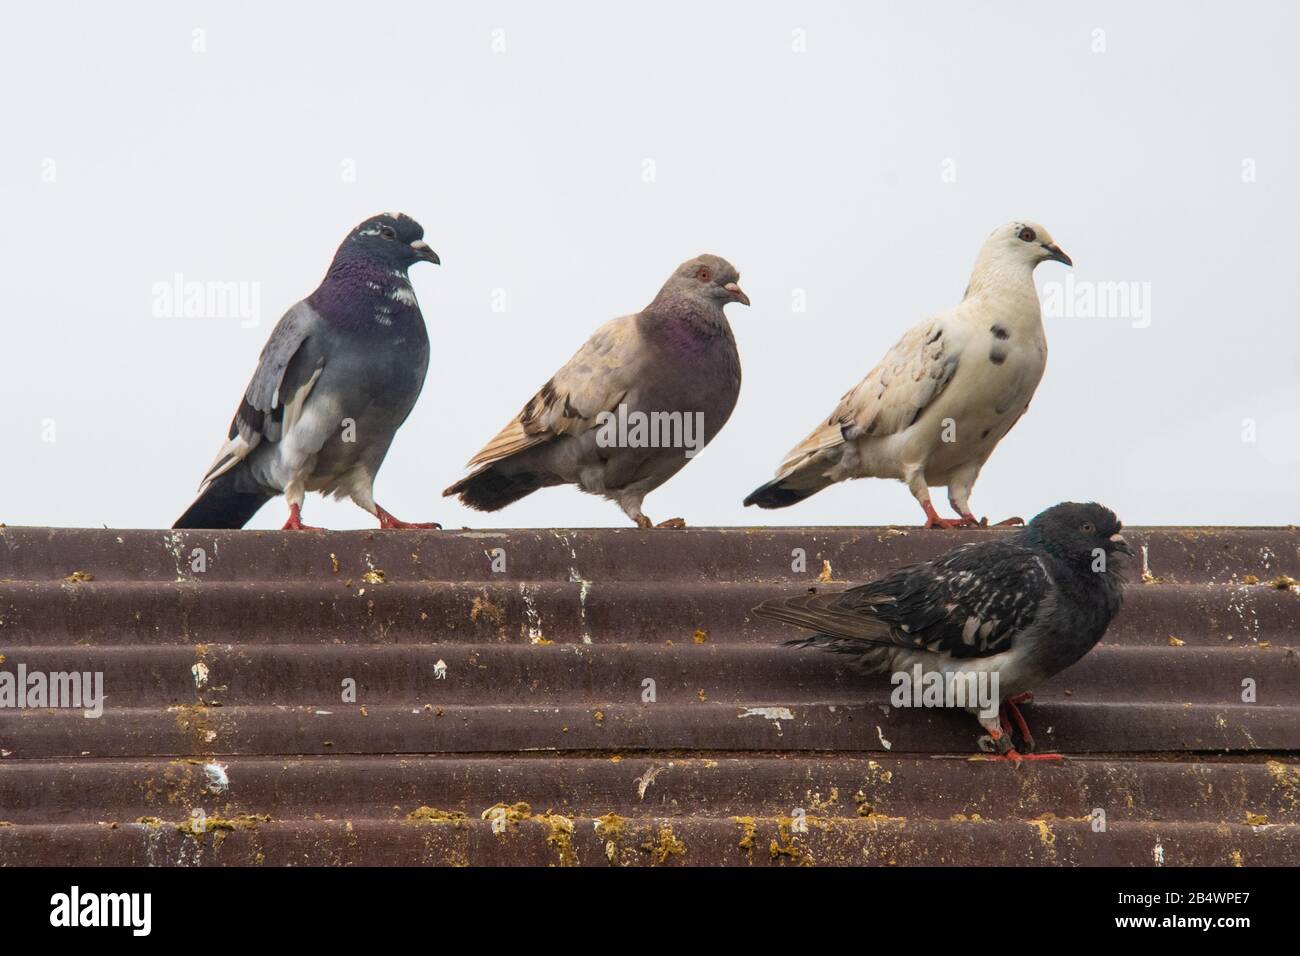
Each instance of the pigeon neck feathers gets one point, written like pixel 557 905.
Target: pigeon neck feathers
pixel 358 292
pixel 1074 573
pixel 685 321
pixel 1001 275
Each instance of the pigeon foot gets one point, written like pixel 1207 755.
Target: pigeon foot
pixel 388 521
pixel 295 521
pixel 932 519
pixel 1010 710
pixel 643 522
pixel 996 741
pixel 968 520
pixel 1018 758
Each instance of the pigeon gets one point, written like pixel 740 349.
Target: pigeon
pixel 631 408
pixel 1022 606
pixel 338 376
pixel 939 402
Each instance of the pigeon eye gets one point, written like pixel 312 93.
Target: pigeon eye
pixel 704 275
pixel 388 232
pixel 1088 528
pixel 1027 235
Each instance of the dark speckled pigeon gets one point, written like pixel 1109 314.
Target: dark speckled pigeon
pixel 630 409
pixel 1023 606
pixel 338 376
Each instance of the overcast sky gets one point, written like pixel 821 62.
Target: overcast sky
pixel 565 157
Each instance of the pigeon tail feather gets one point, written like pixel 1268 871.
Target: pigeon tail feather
pixel 225 503
pixel 777 494
pixel 823 613
pixel 491 488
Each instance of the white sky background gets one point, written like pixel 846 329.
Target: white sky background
pixel 818 171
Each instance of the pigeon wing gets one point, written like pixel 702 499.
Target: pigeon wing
pixel 595 380
pixel 970 602
pixel 890 399
pixel 273 401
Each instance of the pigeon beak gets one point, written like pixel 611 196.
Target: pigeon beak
pixel 423 251
pixel 1056 254
pixel 1120 544
pixel 737 293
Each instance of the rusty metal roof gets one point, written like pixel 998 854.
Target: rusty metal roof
pixel 508 670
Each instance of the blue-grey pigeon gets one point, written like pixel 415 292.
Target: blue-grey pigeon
pixel 338 376
pixel 1020 607
pixel 626 413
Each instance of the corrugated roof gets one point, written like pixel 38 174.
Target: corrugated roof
pixel 224 694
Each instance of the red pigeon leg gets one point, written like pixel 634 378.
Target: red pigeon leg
pixel 999 736
pixel 388 521
pixel 1014 711
pixel 295 521
pixel 1010 708
pixel 932 519
pixel 998 739
pixel 1004 720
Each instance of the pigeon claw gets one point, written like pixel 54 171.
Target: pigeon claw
pixel 643 522
pixel 1010 710
pixel 968 520
pixel 997 741
pixel 295 521
pixel 999 747
pixel 1018 758
pixel 388 521
pixel 933 520
pixel 1008 714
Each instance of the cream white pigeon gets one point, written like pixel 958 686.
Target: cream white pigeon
pixel 936 406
